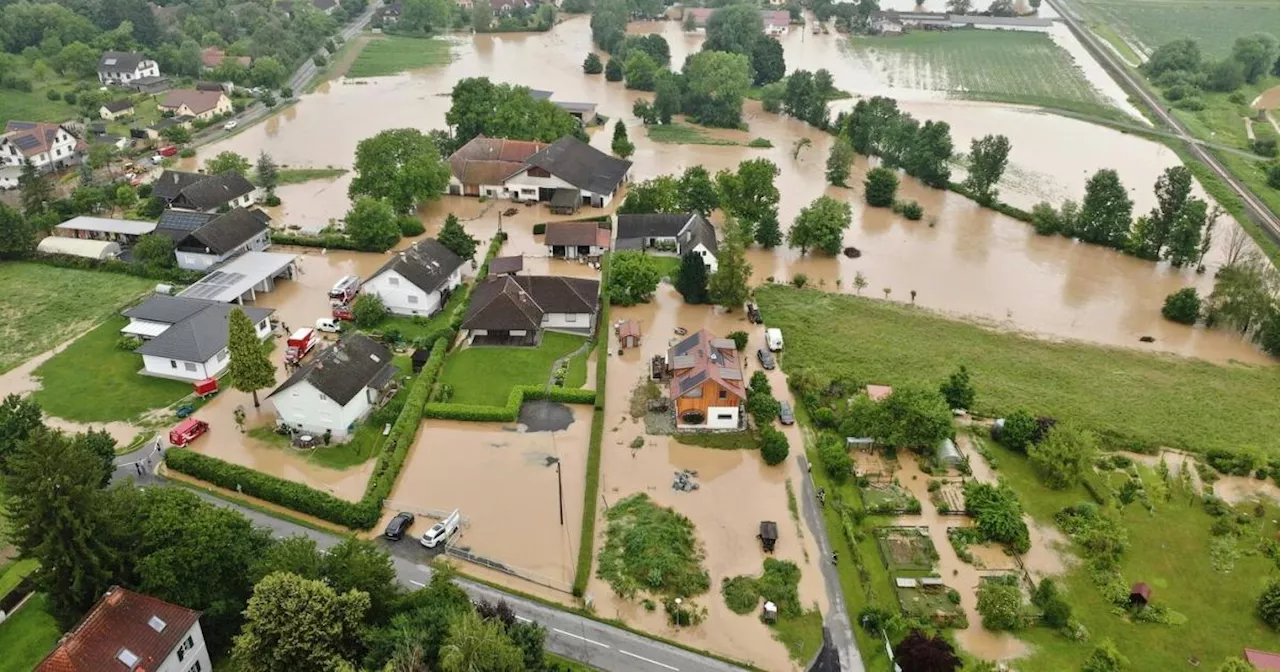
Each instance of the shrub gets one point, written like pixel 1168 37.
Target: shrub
pixel 909 209
pixel 410 226
pixel 1000 604
pixel 272 200
pixel 1019 431
pixel 539 228
pixel 881 187
pixel 760 143
pixel 52 95
pixel 368 310
pixel 1190 104
pixel 835 458
pixel 800 280
pixel 592 65
pixel 319 60
pixel 774 447
pixel 1182 306
pixel 1264 146
pixel 1268 607
pixel 70 97
pixel 187 153
pixel 739 339
pixel 998 514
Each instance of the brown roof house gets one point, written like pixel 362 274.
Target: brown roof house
pixel 516 309
pixel 131 631
pixel 47 146
pixel 195 103
pixel 576 240
pixel 707 382
pixel 480 167
pixel 212 57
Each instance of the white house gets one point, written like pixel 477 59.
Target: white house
pixel 195 103
pixel 186 338
pixel 336 388
pixel 131 631
pixel 670 233
pixel 122 67
pixel 569 164
pixel 418 280
pixel 47 146
pixel 480 167
pixel 202 240
pixel 777 22
pixel 516 309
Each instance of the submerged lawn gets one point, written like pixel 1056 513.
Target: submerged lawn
pixel 677 133
pixel 43 306
pixel 392 55
pixel 27 636
pixel 95 381
pixel 485 375
pixel 1130 399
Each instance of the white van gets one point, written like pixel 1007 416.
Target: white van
pixel 327 325
pixel 773 339
pixel 442 530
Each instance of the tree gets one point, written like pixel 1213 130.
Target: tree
pixel 402 166
pixel 768 231
pixel 696 192
pixel 1152 233
pixel 1105 658
pixel 249 370
pixel 294 555
pixel 474 644
pixel 801 100
pixel 640 71
pixel 1273 175
pixel 1064 456
pixel 633 277
pixel 750 193
pixel 734 29
pixel 609 24
pixel 481 16
pixel 268 173
pixel 20 417
pixel 267 72
pixel 988 157
pixel 227 162
pixel 691 281
pixel 371 224
pixel 1000 605
pixel 821 225
pixel 292 623
pixel 1179 55
pixel 613 71
pixel 859 282
pixel 100 156
pixel 761 404
pixel 368 310
pixel 881 187
pixel 592 64
pixel 125 197
pixel 690 23
pixel 960 6
pixel 17 234
pixel 958 389
pixel 100 443
pixel 774 446
pixel 772 97
pixel 728 285
pixel 1268 607
pixel 456 238
pixel 839 161
pixel 363 566
pixel 914 418
pixel 767 61
pixel 1107 211
pixel 918 652
pixel 667 98
pixel 1256 55
pixel 55 517
pixel 77 60
pixel 834 456
pixel 716 83
pixel 1002 8
pixel 928 156
pixel 36 192
pixel 621 144
pixel 154 251
pixel 660 194
pixel 177 135
pixel 1020 430
pixel 1189 237
pixel 1236 665
pixel 1224 76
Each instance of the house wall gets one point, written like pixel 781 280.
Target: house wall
pixel 144 69
pixel 524 187
pixel 194 261
pixel 305 408
pixel 112 116
pixel 62 152
pixel 165 367
pixel 403 297
pixel 711 404
pixel 707 258
pixel 568 321
pixel 190 655
pixel 571 251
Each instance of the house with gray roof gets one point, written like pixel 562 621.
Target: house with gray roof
pixel 202 240
pixel 569 164
pixel 669 233
pixel 125 67
pixel 205 193
pixel 517 309
pixel 335 389
pixel 417 280
pixel 185 338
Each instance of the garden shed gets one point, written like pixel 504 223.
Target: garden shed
pixel 629 334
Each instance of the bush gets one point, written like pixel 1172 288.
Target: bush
pixel 1020 429
pixel 774 447
pixel 368 310
pixel 835 458
pixel 52 95
pixel 881 187
pixel 1182 306
pixel 1190 104
pixel 909 209
pixel 592 65
pixel 149 271
pixel 70 97
pixel 760 143
pixel 997 514
pixel 1000 604
pixel 410 226
pixel 800 280
pixel 187 153
pixel 739 339
pixel 1264 146
pixel 539 228
pixel 272 200
pixel 319 60
pixel 1268 607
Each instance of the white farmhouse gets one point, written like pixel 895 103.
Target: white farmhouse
pixel 673 233
pixel 516 309
pixel 122 67
pixel 569 164
pixel 337 388
pixel 47 146
pixel 418 280
pixel 186 338
pixel 131 631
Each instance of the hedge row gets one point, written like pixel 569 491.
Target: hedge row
pixel 495 246
pixel 1002 208
pixel 332 241
pixel 360 515
pixel 173 275
pixel 511 411
pixel 587 538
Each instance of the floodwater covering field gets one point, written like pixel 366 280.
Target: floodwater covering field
pixel 1215 24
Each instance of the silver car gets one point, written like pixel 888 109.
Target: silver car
pixel 785 416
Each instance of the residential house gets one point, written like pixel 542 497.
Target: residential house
pixel 123 231
pixel 417 280
pixel 47 146
pixel 885 23
pixel 116 109
pixel 242 276
pixel 674 233
pixel 186 338
pixel 212 57
pixel 335 389
pixel 480 167
pixel 570 164
pixel 202 243
pixel 130 631
pixel 125 67
pixel 194 103
pixel 205 193
pixel 706 382
pixel 774 21
pixel 517 309
pixel 116 142
pixel 574 240
pixel 156 131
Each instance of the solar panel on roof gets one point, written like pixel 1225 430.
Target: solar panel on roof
pixel 210 286
pixel 692 381
pixel 688 344
pixel 26 141
pixel 183 221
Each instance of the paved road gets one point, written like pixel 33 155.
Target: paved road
pixel 575 637
pixel 1256 208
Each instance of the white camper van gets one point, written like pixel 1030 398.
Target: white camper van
pixel 773 339
pixel 442 530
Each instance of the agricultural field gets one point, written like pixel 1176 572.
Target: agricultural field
pixel 998 66
pixel 44 306
pixel 393 55
pixel 1144 25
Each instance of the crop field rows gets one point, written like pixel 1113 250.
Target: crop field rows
pixel 1215 24
pixel 1009 67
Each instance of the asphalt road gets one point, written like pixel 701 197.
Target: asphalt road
pixel 837 621
pixel 1256 208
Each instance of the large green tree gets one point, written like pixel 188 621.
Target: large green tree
pixel 474 644
pixel 1107 211
pixel 155 251
pixel 749 194
pixel 455 237
pixel 728 285
pixel 880 187
pixel 1173 189
pixel 633 277
pixel 914 417
pixel 929 156
pixel 821 225
pixel 767 61
pixel 839 161
pixel 691 281
pixel 640 71
pixel 734 29
pixel 401 165
pixel 1256 55
pixel 227 162
pixel 20 417
pixel 36 192
pixel 621 143
pixel 609 23
pixel 268 173
pixel 249 370
pixel 659 194
pixel 292 623
pixel 17 234
pixel 716 83
pixel 1064 456
pixel 988 157
pixel 697 192
pixel 371 224
pixel 481 107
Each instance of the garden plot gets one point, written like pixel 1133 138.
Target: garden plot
pixel 906 549
pixel 938 604
pixel 889 498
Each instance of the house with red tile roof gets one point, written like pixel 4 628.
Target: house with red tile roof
pixel 481 166
pixel 131 631
pixel 195 103
pixel 47 146
pixel 707 383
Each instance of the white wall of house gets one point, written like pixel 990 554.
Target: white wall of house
pixel 718 417
pixel 165 367
pixel 524 187
pixel 571 251
pixel 707 257
pixel 61 152
pixel 405 298
pixel 145 69
pixel 568 321
pixel 191 654
pixel 196 261
pixel 305 408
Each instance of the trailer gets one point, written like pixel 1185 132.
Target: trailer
pixel 187 431
pixel 768 535
pixel 206 388
pixel 300 343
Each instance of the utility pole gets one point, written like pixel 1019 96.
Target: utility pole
pixel 559 488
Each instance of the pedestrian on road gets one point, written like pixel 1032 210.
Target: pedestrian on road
pixel 834 557
pixel 138 466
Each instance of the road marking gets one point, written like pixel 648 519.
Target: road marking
pixel 522 619
pixel 417 583
pixel 589 641
pixel 628 653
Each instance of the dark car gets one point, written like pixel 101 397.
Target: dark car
pixel 785 416
pixel 753 314
pixel 398 526
pixel 766 358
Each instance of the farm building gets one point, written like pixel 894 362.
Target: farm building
pixel 76 247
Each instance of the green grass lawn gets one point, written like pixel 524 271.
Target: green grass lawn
pixel 753 93
pixel 993 65
pixel 1130 398
pixel 94 381
pixel 28 636
pixel 43 306
pixel 485 375
pixel 411 328
pixel 13 574
pixel 1213 23
pixel 393 54
pixel 668 266
pixel 34 105
pixel 145 113
pixel 677 133
pixel 300 175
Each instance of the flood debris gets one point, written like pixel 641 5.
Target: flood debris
pixel 683 481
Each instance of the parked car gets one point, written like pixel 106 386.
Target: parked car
pixel 327 324
pixel 398 526
pixel 753 314
pixel 785 415
pixel 442 530
pixel 229 125
pixel 773 339
pixel 766 359
pixel 156 159
pixel 168 150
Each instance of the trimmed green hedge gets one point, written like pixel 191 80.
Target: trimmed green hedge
pixel 1002 208
pixel 495 246
pixel 174 275
pixel 332 241
pixel 591 491
pixel 511 411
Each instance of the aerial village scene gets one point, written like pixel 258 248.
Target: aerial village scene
pixel 629 335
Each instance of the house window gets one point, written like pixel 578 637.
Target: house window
pixel 196 667
pixel 189 366
pixel 723 394
pixel 724 416
pixel 173 364
pixel 413 298
pixel 394 282
pixel 571 317
pixel 187 645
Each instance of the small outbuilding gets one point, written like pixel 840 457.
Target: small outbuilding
pixel 878 392
pixel 629 334
pixel 1139 595
pixel 506 265
pixel 768 535
pixel 1263 660
pixel 420 357
pixel 79 247
pixel 770 614
pixel 565 201
pixel 948 455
